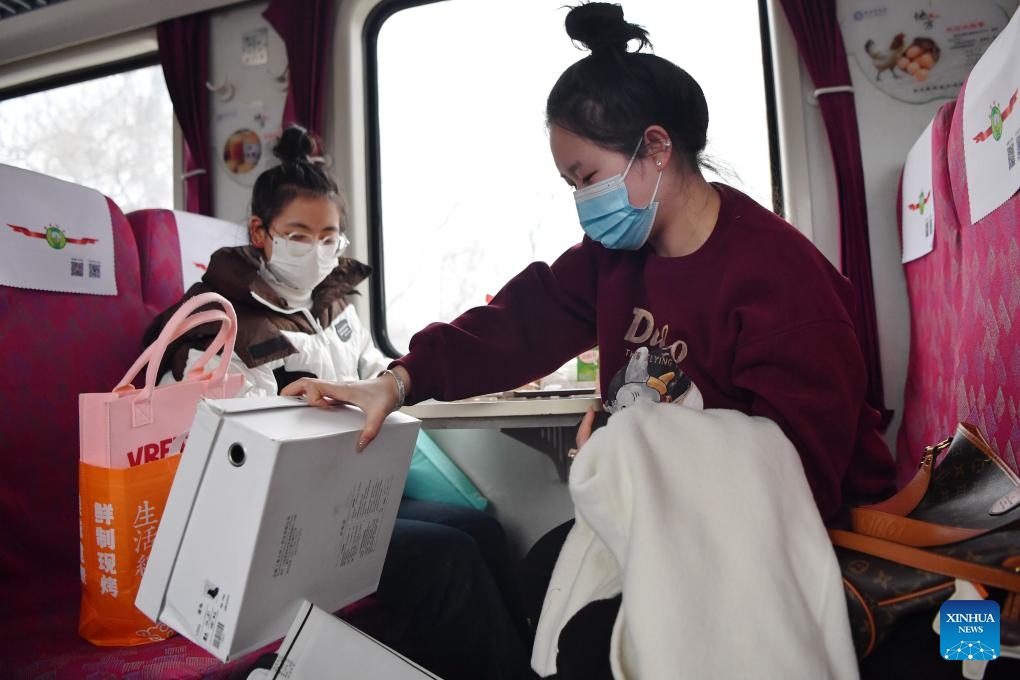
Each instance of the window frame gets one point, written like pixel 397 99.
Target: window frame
pixel 771 109
pixel 373 167
pixel 374 22
pixel 62 77
pixel 81 75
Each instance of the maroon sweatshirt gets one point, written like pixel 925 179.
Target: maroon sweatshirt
pixel 757 318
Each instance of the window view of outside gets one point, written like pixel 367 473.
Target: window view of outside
pixel 113 134
pixel 470 194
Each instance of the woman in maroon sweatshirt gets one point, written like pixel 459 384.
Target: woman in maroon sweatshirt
pixel 722 292
pixel 678 281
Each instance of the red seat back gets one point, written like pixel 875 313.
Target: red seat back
pixel 175 248
pixel 155 232
pixel 55 346
pixel 965 326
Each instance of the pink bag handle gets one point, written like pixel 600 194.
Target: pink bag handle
pixel 182 321
pixel 192 321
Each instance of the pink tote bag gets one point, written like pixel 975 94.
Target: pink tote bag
pixel 129 426
pixel 130 439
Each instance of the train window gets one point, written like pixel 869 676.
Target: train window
pixel 112 133
pixel 466 194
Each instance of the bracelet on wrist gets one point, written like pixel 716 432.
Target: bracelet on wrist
pixel 401 388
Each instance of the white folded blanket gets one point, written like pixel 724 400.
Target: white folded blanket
pixel 705 521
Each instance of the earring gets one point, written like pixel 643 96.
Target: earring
pixel 658 163
pixel 668 143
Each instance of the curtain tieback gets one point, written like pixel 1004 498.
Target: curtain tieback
pixel 813 99
pixel 193 173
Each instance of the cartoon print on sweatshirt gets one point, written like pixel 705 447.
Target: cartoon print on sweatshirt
pixel 651 374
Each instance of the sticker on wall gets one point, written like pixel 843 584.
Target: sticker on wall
pixel 917 212
pixel 991 125
pixel 255 47
pixel 921 51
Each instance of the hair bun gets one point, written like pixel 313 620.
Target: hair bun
pixel 296 145
pixel 600 27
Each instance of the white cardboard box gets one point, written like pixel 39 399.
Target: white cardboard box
pixel 271 505
pixel 319 645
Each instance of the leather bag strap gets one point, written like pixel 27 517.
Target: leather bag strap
pixel 908 531
pixel 906 499
pixel 927 561
pixel 888 520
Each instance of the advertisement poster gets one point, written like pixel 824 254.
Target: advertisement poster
pixel 991 125
pixel 920 51
pixel 917 212
pixel 244 136
pixel 54 235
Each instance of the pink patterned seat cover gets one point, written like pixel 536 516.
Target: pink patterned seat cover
pixel 965 315
pixel 159 251
pixel 175 249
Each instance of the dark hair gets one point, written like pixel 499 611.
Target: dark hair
pixel 298 174
pixel 611 96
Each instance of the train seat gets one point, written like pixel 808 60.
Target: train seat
pixel 57 345
pixel 174 247
pixel 964 360
pixel 933 291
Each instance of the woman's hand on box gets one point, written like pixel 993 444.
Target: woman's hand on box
pixel 376 397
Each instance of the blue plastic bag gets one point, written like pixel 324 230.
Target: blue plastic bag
pixel 434 477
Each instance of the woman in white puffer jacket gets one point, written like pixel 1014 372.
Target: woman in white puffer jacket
pixel 447 584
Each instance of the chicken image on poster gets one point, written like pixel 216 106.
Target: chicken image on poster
pixel 918 54
pixel 902 60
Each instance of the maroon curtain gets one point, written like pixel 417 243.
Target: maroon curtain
pixel 184 54
pixel 820 43
pixel 307 30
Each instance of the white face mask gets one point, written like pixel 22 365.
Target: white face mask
pixel 302 272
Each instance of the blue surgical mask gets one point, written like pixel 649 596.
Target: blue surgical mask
pixel 607 215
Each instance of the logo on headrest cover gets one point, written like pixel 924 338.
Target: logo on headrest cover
pixel 53 235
